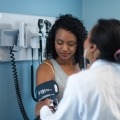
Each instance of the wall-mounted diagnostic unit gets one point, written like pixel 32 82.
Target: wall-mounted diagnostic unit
pixel 24 32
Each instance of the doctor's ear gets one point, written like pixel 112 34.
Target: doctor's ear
pixel 95 52
pixel 93 47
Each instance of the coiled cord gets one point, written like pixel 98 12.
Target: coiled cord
pixel 16 83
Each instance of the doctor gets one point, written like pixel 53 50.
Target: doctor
pixel 93 94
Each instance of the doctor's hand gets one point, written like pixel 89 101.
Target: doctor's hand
pixel 40 104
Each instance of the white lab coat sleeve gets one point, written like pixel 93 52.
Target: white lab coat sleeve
pixel 45 112
pixel 68 106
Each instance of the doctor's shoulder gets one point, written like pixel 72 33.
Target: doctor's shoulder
pixel 83 78
pixel 45 72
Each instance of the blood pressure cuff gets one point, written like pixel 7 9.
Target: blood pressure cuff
pixel 48 89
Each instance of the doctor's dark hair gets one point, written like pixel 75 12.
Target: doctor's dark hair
pixel 69 23
pixel 106 35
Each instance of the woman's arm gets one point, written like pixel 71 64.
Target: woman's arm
pixel 43 74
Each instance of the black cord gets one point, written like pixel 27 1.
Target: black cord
pixel 32 84
pixel 40 51
pixel 32 80
pixel 16 83
pixel 40 26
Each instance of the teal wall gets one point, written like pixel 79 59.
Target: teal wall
pixel 9 109
pixel 88 10
pixel 42 7
pixel 92 10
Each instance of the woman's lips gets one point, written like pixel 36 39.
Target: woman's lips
pixel 65 54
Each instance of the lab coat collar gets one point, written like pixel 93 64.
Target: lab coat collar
pixel 100 62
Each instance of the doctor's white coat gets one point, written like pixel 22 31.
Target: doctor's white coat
pixel 93 94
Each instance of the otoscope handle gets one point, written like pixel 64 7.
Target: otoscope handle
pixel 40 25
pixel 48 25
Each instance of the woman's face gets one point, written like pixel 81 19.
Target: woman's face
pixel 65 44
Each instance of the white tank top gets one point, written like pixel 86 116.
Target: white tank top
pixel 60 77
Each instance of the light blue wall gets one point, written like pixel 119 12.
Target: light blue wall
pixel 92 10
pixel 9 109
pixel 42 7
pixel 88 10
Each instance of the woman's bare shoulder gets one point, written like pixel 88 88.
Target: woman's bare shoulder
pixel 44 66
pixel 44 72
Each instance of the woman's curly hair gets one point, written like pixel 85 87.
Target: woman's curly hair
pixel 69 23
